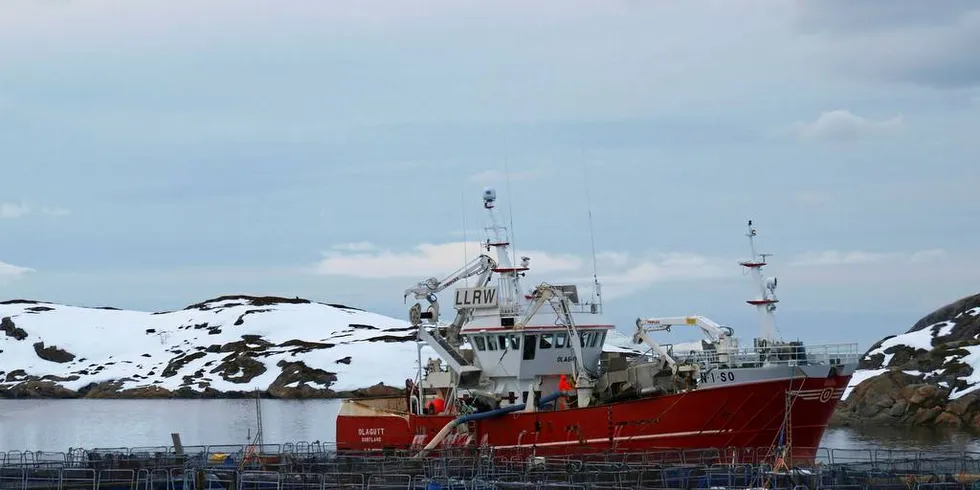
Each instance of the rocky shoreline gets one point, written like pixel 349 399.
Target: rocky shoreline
pixel 50 389
pixel 899 399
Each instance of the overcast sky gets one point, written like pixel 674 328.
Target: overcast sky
pixel 154 154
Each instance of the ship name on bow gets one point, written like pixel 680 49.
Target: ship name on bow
pixel 720 377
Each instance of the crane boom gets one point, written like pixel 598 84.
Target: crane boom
pixel 714 331
pixel 721 338
pixel 546 293
pixel 641 336
pixel 429 288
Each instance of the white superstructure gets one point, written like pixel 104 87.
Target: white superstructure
pixel 521 341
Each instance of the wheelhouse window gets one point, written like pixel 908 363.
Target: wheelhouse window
pixel 515 342
pixel 598 339
pixel 529 344
pixel 479 342
pixel 547 340
pixel 560 340
pixel 502 342
pixel 490 343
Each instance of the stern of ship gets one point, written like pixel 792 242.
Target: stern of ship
pixel 365 425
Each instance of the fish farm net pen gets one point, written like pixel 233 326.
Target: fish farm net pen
pixel 315 466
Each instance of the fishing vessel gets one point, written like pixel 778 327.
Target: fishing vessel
pixel 525 371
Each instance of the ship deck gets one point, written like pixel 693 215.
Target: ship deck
pixel 305 466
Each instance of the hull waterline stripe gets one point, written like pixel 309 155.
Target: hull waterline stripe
pixel 619 439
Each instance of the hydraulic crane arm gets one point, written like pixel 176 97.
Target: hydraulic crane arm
pixel 428 288
pixel 546 293
pixel 720 336
pixel 714 332
pixel 641 336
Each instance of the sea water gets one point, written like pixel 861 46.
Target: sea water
pixel 57 425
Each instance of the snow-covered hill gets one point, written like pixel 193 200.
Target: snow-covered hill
pixel 930 375
pixel 228 345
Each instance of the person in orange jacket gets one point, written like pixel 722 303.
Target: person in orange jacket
pixel 564 386
pixel 437 405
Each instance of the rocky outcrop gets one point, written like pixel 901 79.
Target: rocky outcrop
pixel 11 330
pixel 896 398
pixel 36 388
pixel 924 377
pixel 297 380
pixel 52 353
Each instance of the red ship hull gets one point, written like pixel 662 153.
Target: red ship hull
pixel 745 416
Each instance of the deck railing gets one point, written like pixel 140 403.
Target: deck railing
pixel 787 355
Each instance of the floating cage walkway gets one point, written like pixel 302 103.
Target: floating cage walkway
pixel 314 466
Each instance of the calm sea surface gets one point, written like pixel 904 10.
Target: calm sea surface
pixel 57 425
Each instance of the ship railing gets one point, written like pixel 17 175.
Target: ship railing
pixel 35 458
pixel 581 308
pixel 817 354
pixel 582 467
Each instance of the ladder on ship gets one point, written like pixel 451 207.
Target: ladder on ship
pixel 253 451
pixel 780 453
pixel 447 350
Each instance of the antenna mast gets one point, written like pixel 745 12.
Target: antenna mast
pixel 765 303
pixel 596 290
pixel 509 272
pixel 462 196
pixel 510 212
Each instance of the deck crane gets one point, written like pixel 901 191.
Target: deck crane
pixel 721 338
pixel 555 296
pixel 429 288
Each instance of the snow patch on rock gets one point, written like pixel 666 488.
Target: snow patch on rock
pixel 229 344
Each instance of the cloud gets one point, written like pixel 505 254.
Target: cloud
pixel 9 271
pixel 488 177
pixel 927 255
pixel 616 259
pixel 848 16
pixel 836 257
pixel 813 198
pixel 15 210
pixel 424 260
pixel 356 247
pixel 926 43
pixel 631 276
pixel 55 211
pixel 840 125
pixel 620 273
pixel 94 22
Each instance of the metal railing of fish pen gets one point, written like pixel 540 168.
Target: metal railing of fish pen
pixel 315 466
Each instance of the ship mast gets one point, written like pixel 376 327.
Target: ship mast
pixel 510 298
pixel 765 303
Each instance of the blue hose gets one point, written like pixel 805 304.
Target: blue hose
pixel 513 408
pixel 486 415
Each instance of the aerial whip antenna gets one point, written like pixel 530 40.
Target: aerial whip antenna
pixel 510 212
pixel 596 293
pixel 462 195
